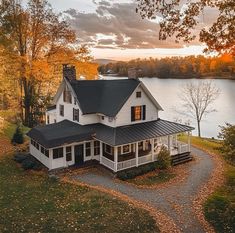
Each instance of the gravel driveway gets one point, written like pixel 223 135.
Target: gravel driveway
pixel 174 200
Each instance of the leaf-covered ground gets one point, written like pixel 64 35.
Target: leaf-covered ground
pixel 31 202
pixel 219 209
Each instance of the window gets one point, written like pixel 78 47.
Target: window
pixel 75 114
pixel 58 153
pixel 67 95
pixel 37 145
pixel 61 110
pixel 102 117
pixel 48 119
pixel 68 153
pixel 96 147
pixel 75 102
pixel 47 153
pixel 138 113
pixel 109 149
pixel 42 150
pixel 126 149
pixel 110 119
pixel 140 145
pixel 138 94
pixel 54 120
pixel 88 149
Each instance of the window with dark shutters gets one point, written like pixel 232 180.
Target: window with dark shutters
pixel 138 113
pixel 75 114
pixel 143 112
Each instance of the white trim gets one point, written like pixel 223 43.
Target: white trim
pixel 122 152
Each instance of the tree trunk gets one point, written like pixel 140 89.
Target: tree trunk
pixel 199 128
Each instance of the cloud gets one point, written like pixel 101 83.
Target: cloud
pixel 116 25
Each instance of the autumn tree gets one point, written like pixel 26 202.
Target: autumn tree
pixel 179 18
pixel 41 41
pixel 198 99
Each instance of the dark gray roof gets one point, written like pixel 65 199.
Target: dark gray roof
pixel 67 132
pixel 138 132
pixel 60 133
pixel 103 96
pixel 51 107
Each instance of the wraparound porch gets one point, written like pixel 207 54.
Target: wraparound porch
pixel 126 156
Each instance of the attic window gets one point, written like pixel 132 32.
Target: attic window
pixel 67 96
pixel 138 94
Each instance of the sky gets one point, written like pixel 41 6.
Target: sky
pixel 113 30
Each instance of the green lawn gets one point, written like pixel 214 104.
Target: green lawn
pixel 153 178
pixel 32 202
pixel 219 209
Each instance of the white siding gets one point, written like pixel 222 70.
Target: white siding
pixel 124 115
pixel 52 116
pixel 68 112
pixel 39 156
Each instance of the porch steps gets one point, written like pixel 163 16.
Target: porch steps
pixel 181 158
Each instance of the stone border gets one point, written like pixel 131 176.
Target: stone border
pixel 216 180
pixel 165 223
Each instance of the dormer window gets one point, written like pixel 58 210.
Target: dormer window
pixel 67 95
pixel 138 94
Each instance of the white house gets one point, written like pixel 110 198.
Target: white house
pixel 115 122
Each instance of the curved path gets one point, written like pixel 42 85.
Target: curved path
pixel 175 200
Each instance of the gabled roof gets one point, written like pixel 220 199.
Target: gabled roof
pixel 103 96
pixel 66 132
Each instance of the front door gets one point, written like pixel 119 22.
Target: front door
pixel 79 155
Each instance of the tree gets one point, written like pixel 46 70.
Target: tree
pixel 32 35
pixel 228 146
pixel 197 100
pixel 18 136
pixel 179 18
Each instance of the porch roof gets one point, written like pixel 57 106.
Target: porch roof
pixel 66 132
pixel 138 132
pixel 60 133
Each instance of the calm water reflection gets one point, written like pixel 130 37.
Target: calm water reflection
pixel 167 91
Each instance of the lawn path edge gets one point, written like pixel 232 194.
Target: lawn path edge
pixel 216 180
pixel 164 222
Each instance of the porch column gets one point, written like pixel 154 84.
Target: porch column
pixel 64 152
pixel 152 149
pixel 189 141
pixel 50 158
pixel 136 153
pixel 101 150
pixel 169 143
pixel 115 158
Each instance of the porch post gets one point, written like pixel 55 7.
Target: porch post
pixel 189 141
pixel 136 153
pixel 101 150
pixel 152 149
pixel 169 143
pixel 115 158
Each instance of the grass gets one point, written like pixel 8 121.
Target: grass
pixel 32 202
pixel 219 209
pixel 153 178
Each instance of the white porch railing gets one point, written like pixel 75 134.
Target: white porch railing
pixel 181 148
pixel 107 162
pixel 144 159
pixel 126 164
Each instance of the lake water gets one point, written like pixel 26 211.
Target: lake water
pixel 167 91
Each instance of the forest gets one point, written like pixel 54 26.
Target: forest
pixel 176 67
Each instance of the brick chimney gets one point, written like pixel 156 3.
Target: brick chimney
pixel 134 73
pixel 69 72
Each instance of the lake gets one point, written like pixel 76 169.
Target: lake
pixel 167 91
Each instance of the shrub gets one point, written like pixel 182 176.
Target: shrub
pixel 228 146
pixel 220 212
pixel 164 158
pixel 27 162
pixel 18 136
pixel 138 171
pixel 20 157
